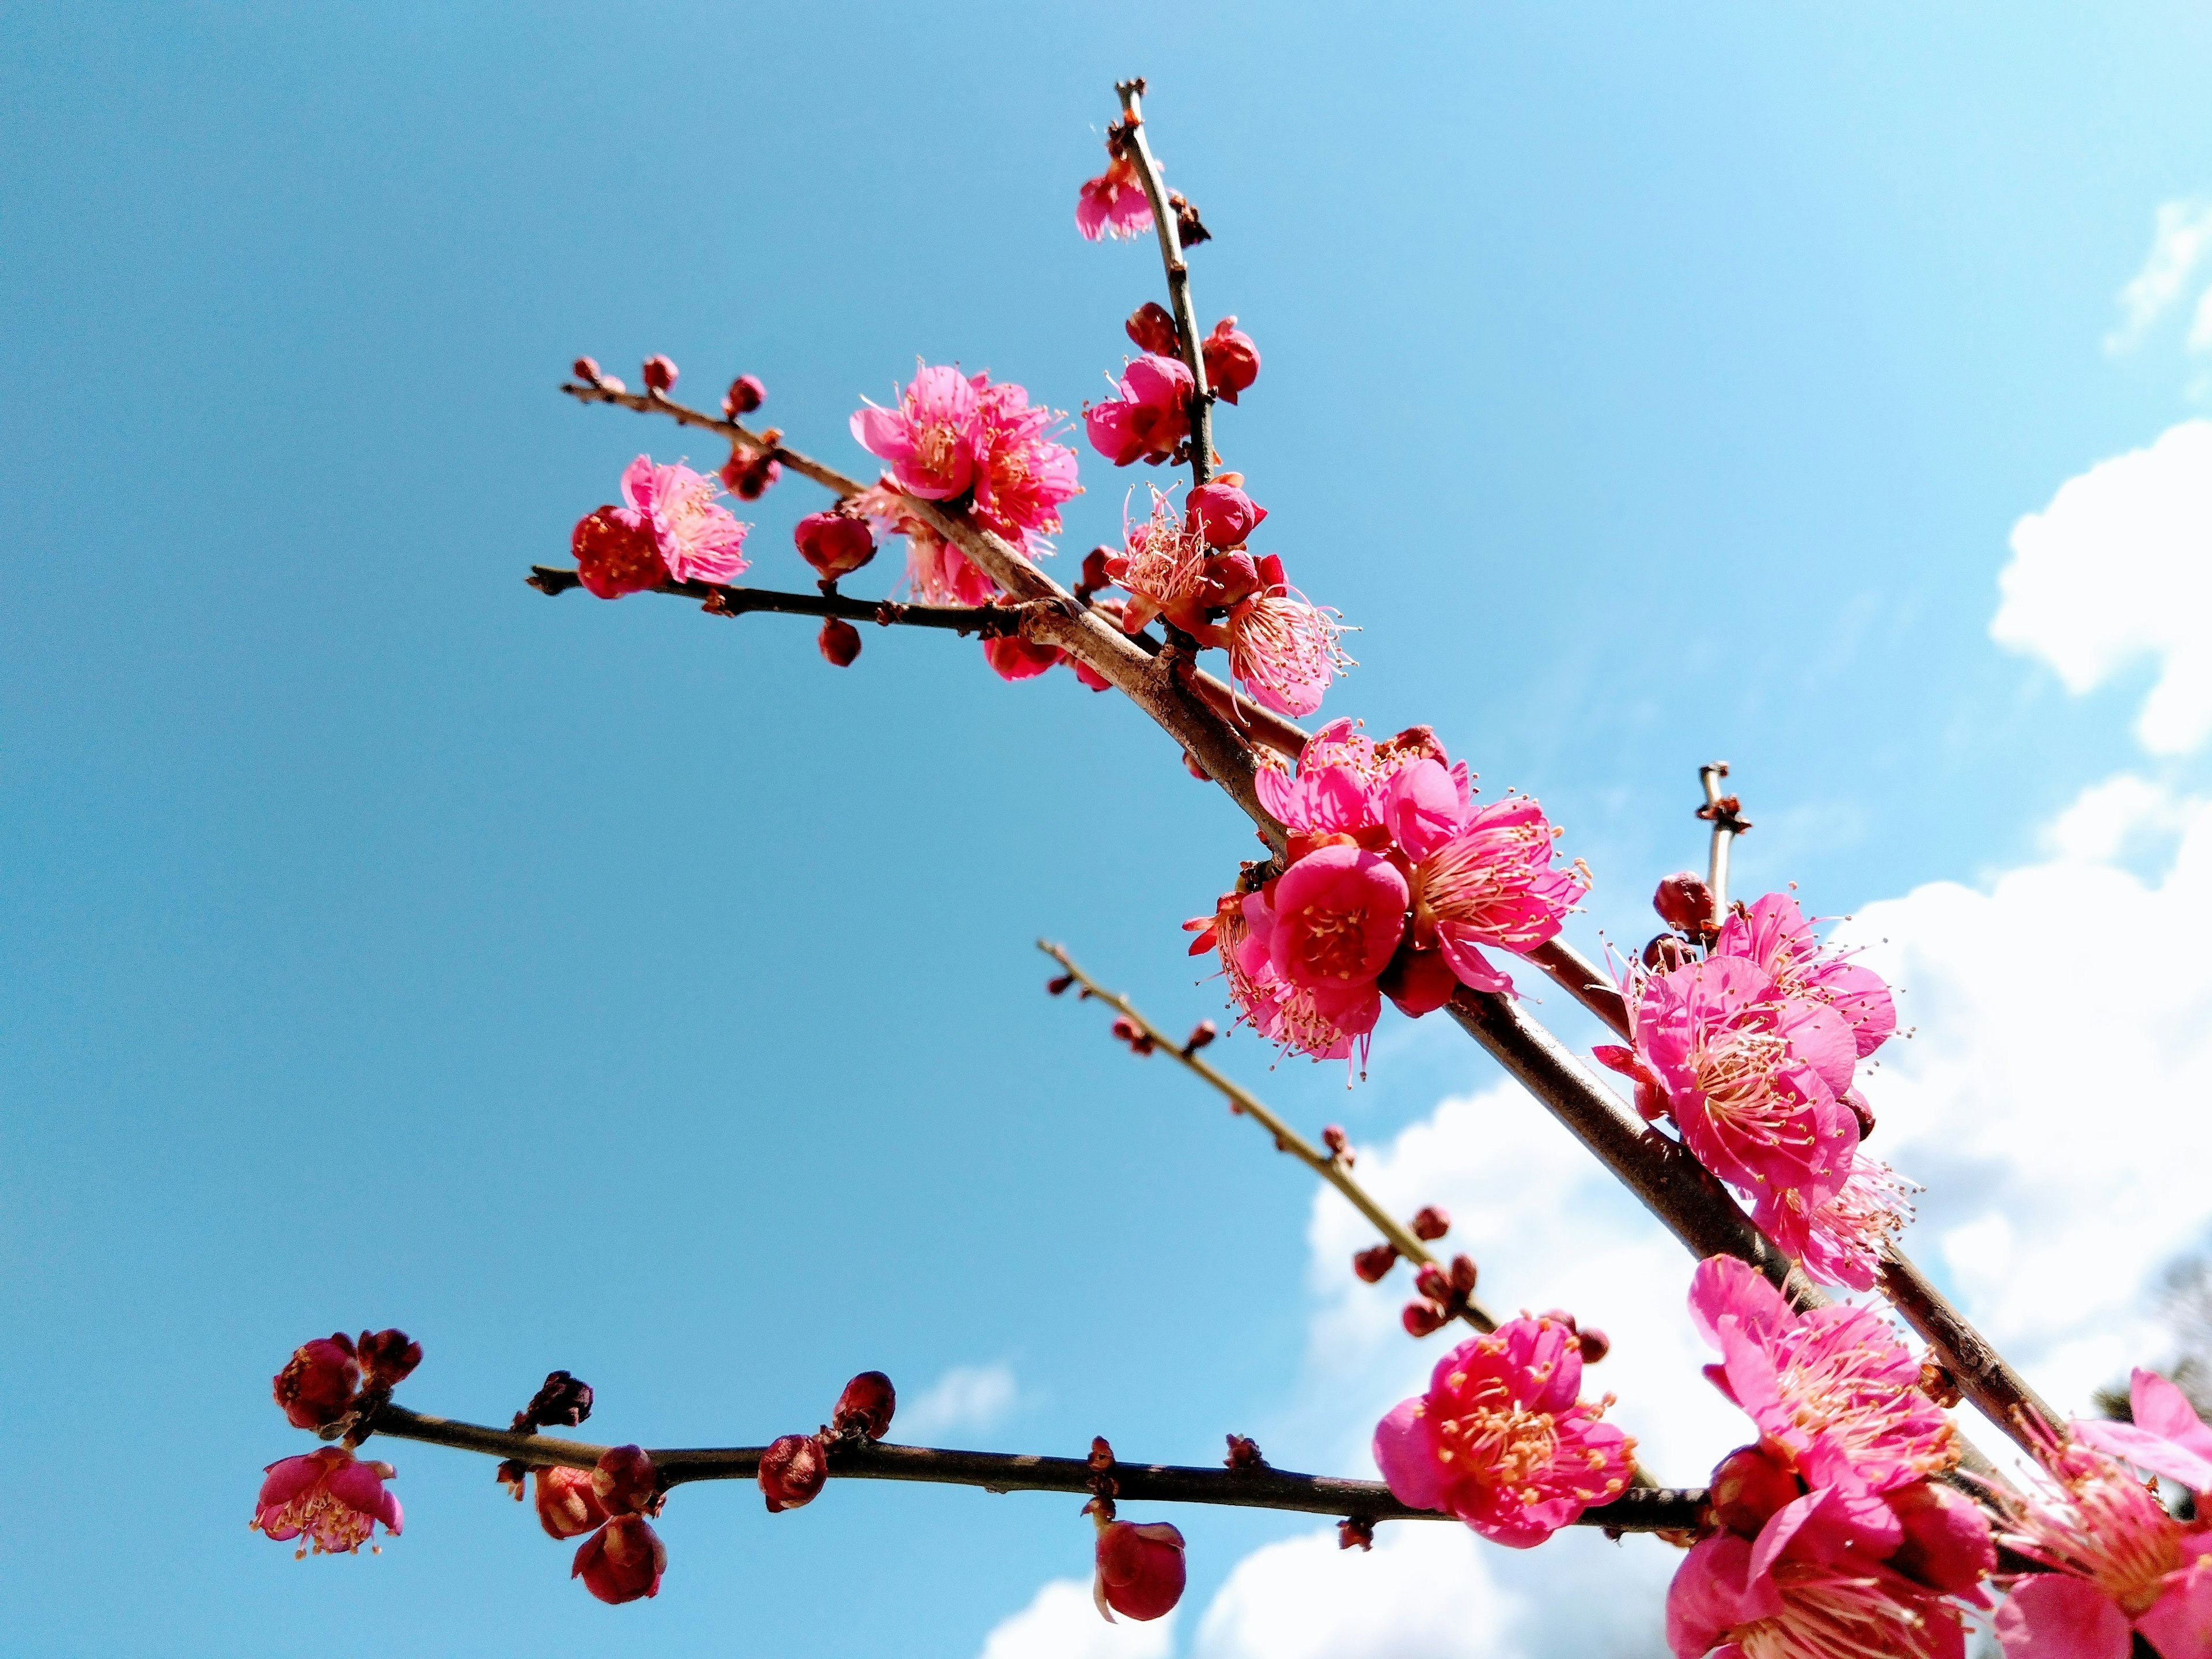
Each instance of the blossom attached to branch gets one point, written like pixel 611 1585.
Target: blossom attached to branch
pixel 329 1499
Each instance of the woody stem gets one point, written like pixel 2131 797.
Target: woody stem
pixel 989 621
pixel 1178 271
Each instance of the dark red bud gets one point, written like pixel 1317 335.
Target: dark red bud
pixel 561 1402
pixel 1424 1318
pixel 1665 953
pixel 1190 765
pixel 1153 329
pixel 1094 576
pixel 1221 514
pixel 1431 1223
pixel 745 395
pixel 1433 1282
pixel 1200 1034
pixel 1594 1345
pixel 835 543
pixel 1129 1031
pixel 1463 1274
pixel 866 1407
pixel 747 476
pixel 840 643
pixel 622 1561
pixel 1102 1455
pixel 388 1358
pixel 1747 1488
pixel 318 1383
pixel 791 1471
pixel 586 370
pixel 1860 1111
pixel 1358 1532
pixel 659 373
pixel 1685 903
pixel 1374 1263
pixel 625 1481
pixel 1055 987
pixel 1244 1454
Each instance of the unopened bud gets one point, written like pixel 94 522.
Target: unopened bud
pixel 561 1402
pixel 1094 576
pixel 1190 765
pixel 1154 330
pixel 622 1561
pixel 792 1471
pixel 1333 1137
pixel 1431 1222
pixel 1433 1282
pixel 625 1481
pixel 1139 1041
pixel 1358 1532
pixel 1665 953
pixel 1749 1485
pixel 1860 1111
pixel 1463 1274
pixel 839 642
pixel 1055 987
pixel 659 373
pixel 1232 359
pixel 1374 1263
pixel 866 1407
pixel 835 543
pixel 1244 1454
pixel 1139 1570
pixel 1200 1034
pixel 745 395
pixel 388 1358
pixel 1594 1345
pixel 1685 903
pixel 317 1385
pixel 1221 514
pixel 1424 1318
pixel 586 370
pixel 568 1507
pixel 747 476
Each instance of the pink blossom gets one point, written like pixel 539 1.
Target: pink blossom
pixel 317 1387
pixel 329 1497
pixel 1221 514
pixel 1341 783
pixel 622 1561
pixel 697 537
pixel 1282 1013
pixel 940 573
pixel 1013 658
pixel 1834 1389
pixel 1283 648
pixel 1775 934
pixel 932 438
pixel 1164 568
pixel 1841 1238
pixel 1022 477
pixel 1501 1439
pixel 1232 360
pixel 2117 1562
pixel 1763 1600
pixel 2164 1434
pixel 616 553
pixel 1139 1570
pixel 1151 415
pixel 1114 203
pixel 1482 875
pixel 1754 1080
pixel 1338 914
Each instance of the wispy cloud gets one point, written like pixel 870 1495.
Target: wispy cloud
pixel 967 1397
pixel 2181 247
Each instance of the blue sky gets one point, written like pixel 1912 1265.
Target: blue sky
pixel 608 988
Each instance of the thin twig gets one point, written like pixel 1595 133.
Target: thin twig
pixel 989 621
pixel 1726 812
pixel 1288 1139
pixel 1640 1509
pixel 1178 272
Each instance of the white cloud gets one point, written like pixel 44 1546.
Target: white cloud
pixel 2181 242
pixel 973 1397
pixel 2200 330
pixel 1062 1622
pixel 2117 568
pixel 2057 1094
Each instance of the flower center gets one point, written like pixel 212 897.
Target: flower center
pixel 1493 1439
pixel 332 1526
pixel 1333 944
pixel 1482 881
pixel 1735 1071
pixel 1826 1615
pixel 935 448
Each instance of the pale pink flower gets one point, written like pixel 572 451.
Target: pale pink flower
pixel 1501 1440
pixel 1114 203
pixel 2118 1563
pixel 1163 568
pixel 1022 477
pixel 328 1498
pixel 698 538
pixel 1150 415
pixel 1482 875
pixel 932 438
pixel 1754 1080
pixel 1833 1388
pixel 2164 1434
pixel 1138 1570
pixel 1840 1239
pixel 1284 649
pixel 1774 933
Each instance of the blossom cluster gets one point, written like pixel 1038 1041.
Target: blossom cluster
pixel 1750 1051
pixel 1393 884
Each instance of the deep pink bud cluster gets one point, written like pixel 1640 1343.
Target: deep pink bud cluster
pixel 1442 1295
pixel 328 1499
pixel 1395 885
pixel 623 1558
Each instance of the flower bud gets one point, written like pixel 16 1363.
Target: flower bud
pixel 1333 1137
pixel 561 1402
pixel 1374 1262
pixel 1190 765
pixel 1139 1572
pixel 1748 1487
pixel 586 370
pixel 566 1506
pixel 791 1471
pixel 1094 576
pixel 659 373
pixel 1665 953
pixel 1013 658
pixel 1224 514
pixel 388 1358
pixel 745 395
pixel 836 544
pixel 1200 1035
pixel 624 1480
pixel 1594 1345
pixel 839 642
pixel 1358 1532
pixel 317 1387
pixel 1860 1111
pixel 1244 1454
pixel 1127 1030
pixel 1153 329
pixel 1091 679
pixel 616 553
pixel 866 1407
pixel 1685 903
pixel 622 1561
pixel 1433 1282
pixel 1232 360
pixel 1462 1275
pixel 747 476
pixel 1423 1318
pixel 1431 1223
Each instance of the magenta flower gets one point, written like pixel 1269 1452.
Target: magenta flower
pixel 1282 647
pixel 1222 512
pixel 1337 916
pixel 1754 1080
pixel 697 537
pixel 1771 1598
pixel 1482 875
pixel 931 439
pixel 2119 1563
pixel 1022 477
pixel 1284 1013
pixel 1149 417
pixel 1342 781
pixel 328 1498
pixel 1232 360
pixel 1833 1388
pixel 1775 934
pixel 1841 1238
pixel 1114 203
pixel 1501 1439
pixel 2164 1436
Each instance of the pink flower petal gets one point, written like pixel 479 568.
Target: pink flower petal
pixel 2051 1616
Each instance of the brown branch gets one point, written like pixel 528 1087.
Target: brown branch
pixel 1288 1139
pixel 1178 272
pixel 989 621
pixel 1641 1510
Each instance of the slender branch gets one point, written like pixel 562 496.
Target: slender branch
pixel 1178 271
pixel 1288 1139
pixel 989 621
pixel 1726 813
pixel 1641 1510
pixel 653 404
